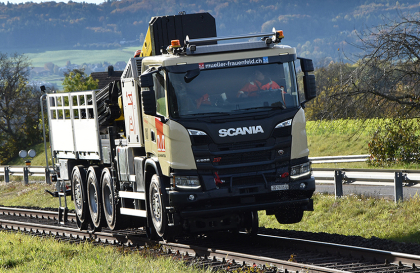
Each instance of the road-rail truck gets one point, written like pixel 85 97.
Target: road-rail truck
pixel 179 144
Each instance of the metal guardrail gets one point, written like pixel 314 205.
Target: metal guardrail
pixel 339 159
pixel 25 171
pixel 372 177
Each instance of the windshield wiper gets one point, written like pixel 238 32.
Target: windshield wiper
pixel 206 114
pixel 263 107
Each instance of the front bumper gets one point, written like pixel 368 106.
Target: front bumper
pixel 238 199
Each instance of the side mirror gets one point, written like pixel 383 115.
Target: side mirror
pixel 306 65
pixel 148 96
pixel 309 86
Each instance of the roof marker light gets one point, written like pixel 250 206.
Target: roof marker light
pixel 175 43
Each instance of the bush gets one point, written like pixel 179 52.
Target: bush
pixel 396 141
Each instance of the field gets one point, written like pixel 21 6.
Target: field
pixel 78 57
pixel 60 57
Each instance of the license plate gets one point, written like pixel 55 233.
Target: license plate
pixel 280 187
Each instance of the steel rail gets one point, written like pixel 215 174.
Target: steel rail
pixel 242 258
pixel 43 214
pixel 188 251
pixel 354 251
pixel 217 255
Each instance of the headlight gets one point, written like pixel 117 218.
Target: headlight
pixel 193 132
pixel 186 182
pixel 300 171
pixel 284 124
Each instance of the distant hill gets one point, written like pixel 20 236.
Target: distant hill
pixel 316 28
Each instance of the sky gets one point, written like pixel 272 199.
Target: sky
pixel 39 1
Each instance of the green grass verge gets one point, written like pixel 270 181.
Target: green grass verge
pixel 33 195
pixel 38 160
pixel 21 253
pixel 358 216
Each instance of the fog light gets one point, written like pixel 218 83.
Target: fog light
pixel 302 186
pixel 191 197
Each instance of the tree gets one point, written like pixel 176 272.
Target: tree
pixel 78 80
pixel 387 78
pixel 19 107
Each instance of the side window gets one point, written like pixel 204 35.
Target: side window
pixel 159 87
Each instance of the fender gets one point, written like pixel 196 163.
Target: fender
pixel 151 167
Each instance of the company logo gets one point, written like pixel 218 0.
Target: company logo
pixel 160 137
pixel 251 130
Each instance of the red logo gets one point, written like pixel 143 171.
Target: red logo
pixel 217 159
pixel 160 137
pixel 201 65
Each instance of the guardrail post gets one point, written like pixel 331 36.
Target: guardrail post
pixel 47 176
pixel 398 189
pixel 6 174
pixel 26 175
pixel 338 183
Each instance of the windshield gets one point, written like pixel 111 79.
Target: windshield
pixel 233 90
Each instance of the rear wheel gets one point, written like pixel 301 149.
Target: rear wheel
pixel 79 193
pixel 109 198
pixel 95 196
pixel 289 216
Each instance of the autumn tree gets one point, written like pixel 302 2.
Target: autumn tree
pixel 387 78
pixel 19 107
pixel 78 80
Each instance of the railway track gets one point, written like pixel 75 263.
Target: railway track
pixel 224 251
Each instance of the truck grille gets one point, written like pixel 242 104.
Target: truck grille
pixel 249 157
pixel 245 163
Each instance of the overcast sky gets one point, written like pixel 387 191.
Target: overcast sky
pixel 39 1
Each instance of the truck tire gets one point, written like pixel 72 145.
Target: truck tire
pixel 157 206
pixel 109 198
pixel 95 196
pixel 251 223
pixel 289 216
pixel 79 193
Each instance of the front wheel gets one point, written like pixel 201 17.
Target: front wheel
pixel 157 206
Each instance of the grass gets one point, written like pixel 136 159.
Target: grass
pixel 38 160
pixel 21 253
pixel 33 195
pixel 358 216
